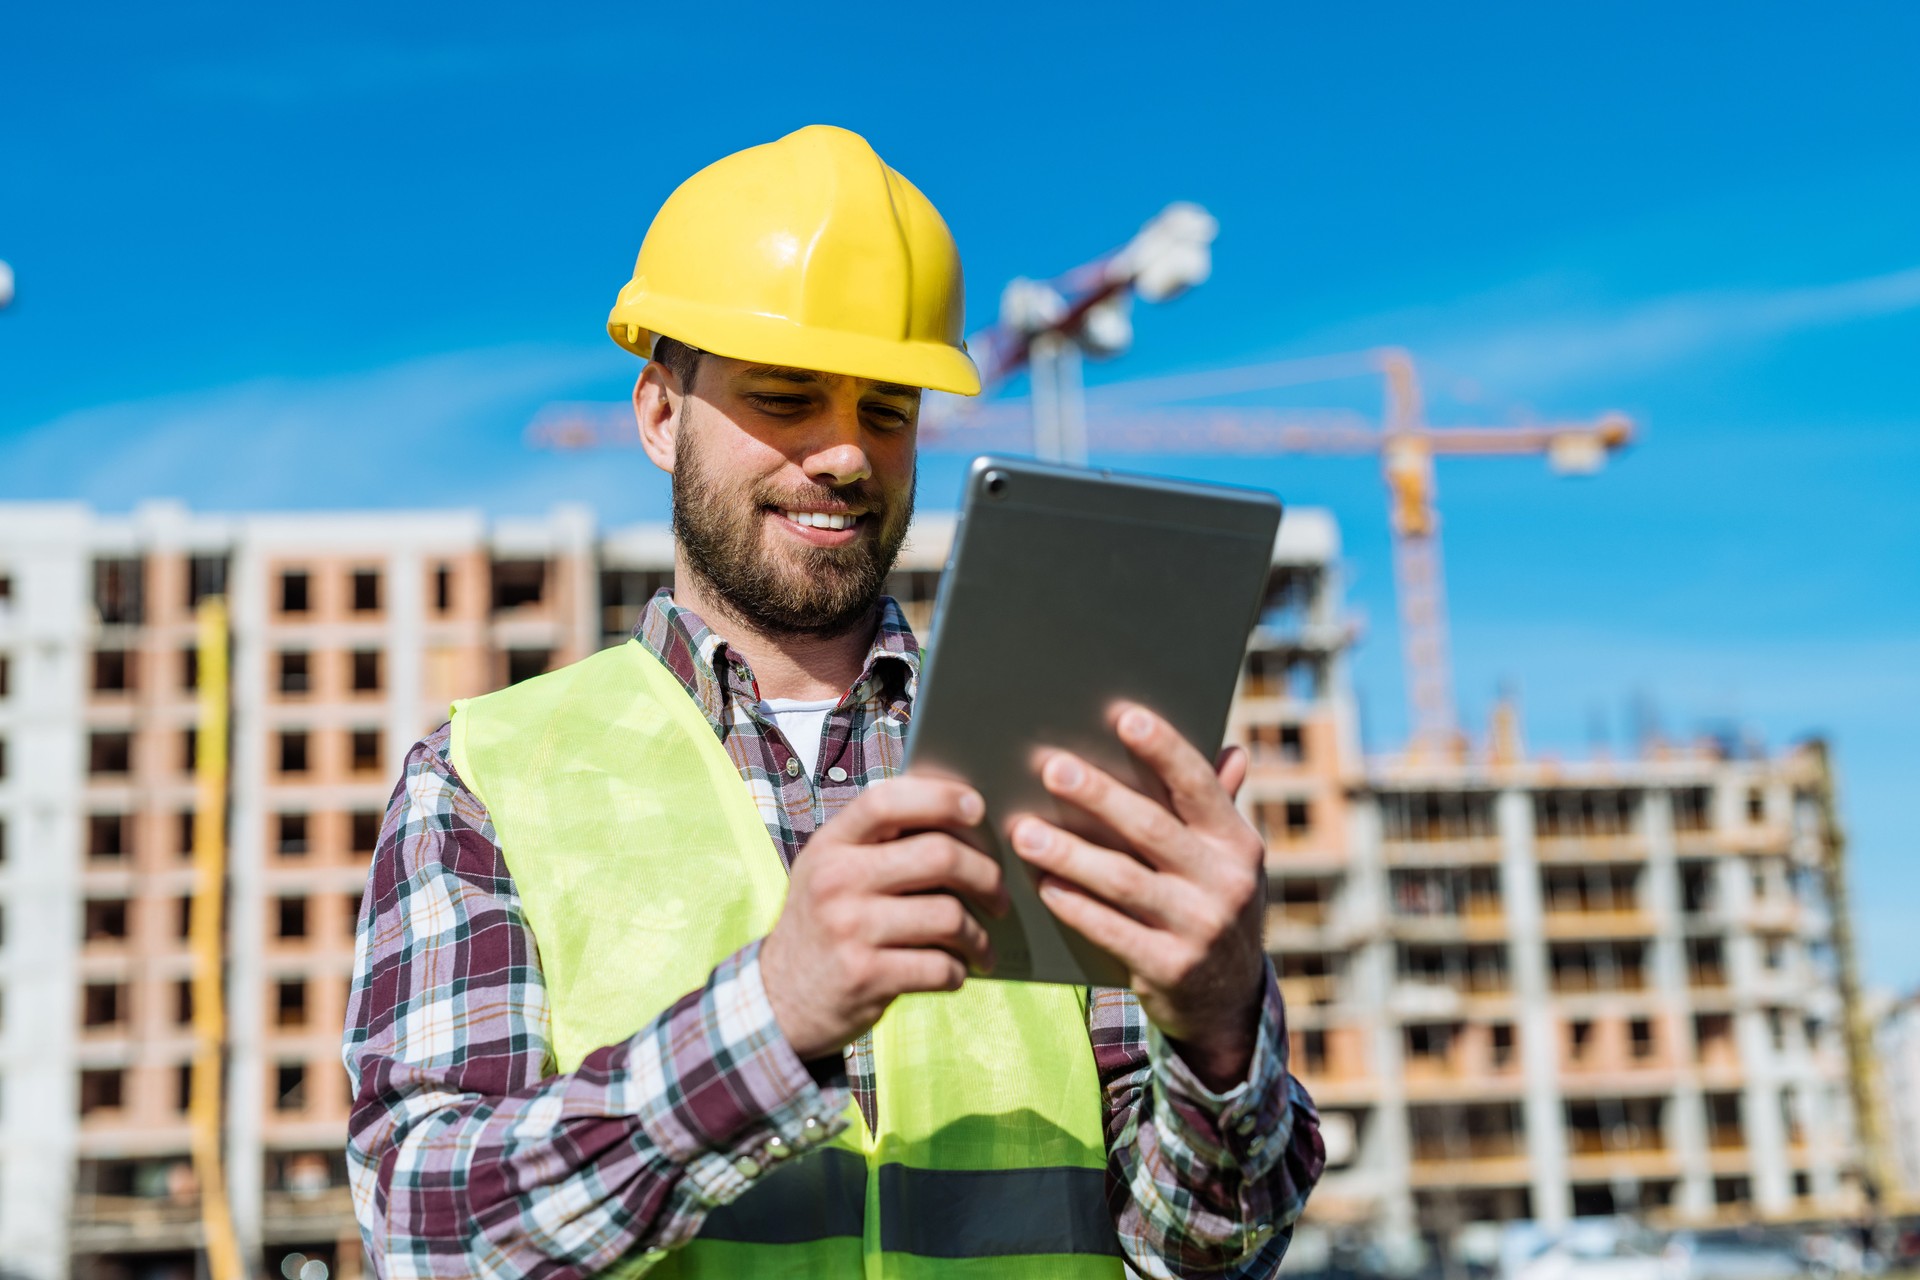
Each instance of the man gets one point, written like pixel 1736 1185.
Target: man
pixel 596 1028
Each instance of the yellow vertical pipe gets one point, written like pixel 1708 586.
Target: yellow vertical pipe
pixel 206 936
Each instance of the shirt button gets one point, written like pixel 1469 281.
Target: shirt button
pixel 837 774
pixel 777 1147
pixel 793 767
pixel 746 1167
pixel 1245 1126
pixel 810 1126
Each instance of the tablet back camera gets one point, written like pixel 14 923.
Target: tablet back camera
pixel 996 484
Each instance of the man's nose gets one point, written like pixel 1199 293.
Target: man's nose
pixel 838 457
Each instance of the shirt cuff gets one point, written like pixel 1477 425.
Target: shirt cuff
pixel 734 1097
pixel 1246 1127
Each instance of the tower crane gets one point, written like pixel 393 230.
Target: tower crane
pixel 1044 326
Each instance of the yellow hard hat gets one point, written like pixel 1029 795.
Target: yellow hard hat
pixel 808 252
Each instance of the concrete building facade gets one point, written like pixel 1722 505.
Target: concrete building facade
pixel 1517 989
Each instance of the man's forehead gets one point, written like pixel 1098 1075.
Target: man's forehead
pixel 814 377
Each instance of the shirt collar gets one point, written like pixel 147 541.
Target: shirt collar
pixel 701 660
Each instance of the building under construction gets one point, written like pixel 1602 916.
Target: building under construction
pixel 1517 988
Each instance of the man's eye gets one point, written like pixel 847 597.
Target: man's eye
pixel 783 405
pixel 890 418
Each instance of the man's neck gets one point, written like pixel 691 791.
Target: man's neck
pixel 802 667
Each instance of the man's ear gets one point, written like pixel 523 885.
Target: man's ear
pixel 656 406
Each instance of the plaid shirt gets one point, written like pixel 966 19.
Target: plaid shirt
pixel 469 1156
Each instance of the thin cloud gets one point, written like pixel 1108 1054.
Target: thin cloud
pixel 419 433
pixel 1562 350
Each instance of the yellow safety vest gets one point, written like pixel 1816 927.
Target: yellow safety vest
pixel 642 861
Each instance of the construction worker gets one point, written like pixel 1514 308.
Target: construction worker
pixel 598 1026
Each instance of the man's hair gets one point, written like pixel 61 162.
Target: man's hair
pixel 681 360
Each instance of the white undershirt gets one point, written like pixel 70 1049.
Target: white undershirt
pixel 800 723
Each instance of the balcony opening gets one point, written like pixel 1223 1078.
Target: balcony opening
pixel 109 837
pixel 366 671
pixel 109 753
pixel 183 833
pixel 293 751
pixel 295 593
pixel 365 751
pixel 1430 1044
pixel 290 915
pixel 1472 1131
pixel 104 920
pixel 1756 806
pixel 1640 1038
pixel 365 830
pixel 183 1088
pixel 1313 1050
pixel 525 664
pixel 1598 966
pixel 290 1003
pixel 1437 815
pixel 1592 888
pixel 183 1003
pixel 119 591
pixel 189 669
pixel 1456 892
pixel 113 671
pixel 1732 1191
pixel 518 584
pixel 206 576
pixel 366 590
pixel 292 841
pixel 101 1090
pixel 189 750
pixel 353 902
pixel 1473 969
pixel 1724 1128
pixel 1585 813
pixel 1692 809
pixel 290 1087
pixel 1706 962
pixel 1713 1035
pixel 624 594
pixel 183 917
pixel 103 1004
pixel 1696 887
pixel 1579 1039
pixel 1597 1125
pixel 1500 1045
pixel 296 672
pixel 443 588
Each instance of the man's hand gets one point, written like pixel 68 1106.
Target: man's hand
pixel 872 912
pixel 1177 901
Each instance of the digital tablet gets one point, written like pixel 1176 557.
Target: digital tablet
pixel 1066 591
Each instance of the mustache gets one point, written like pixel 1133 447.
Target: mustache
pixel 819 496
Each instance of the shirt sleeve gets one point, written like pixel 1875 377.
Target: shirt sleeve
pixel 466 1153
pixel 1202 1182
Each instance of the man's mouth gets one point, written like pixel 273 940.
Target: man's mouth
pixel 822 519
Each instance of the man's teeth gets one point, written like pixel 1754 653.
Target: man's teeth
pixel 822 519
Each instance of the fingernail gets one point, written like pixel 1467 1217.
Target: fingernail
pixel 1134 724
pixel 972 807
pixel 1065 772
pixel 1031 837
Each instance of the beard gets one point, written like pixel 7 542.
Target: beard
pixel 819 592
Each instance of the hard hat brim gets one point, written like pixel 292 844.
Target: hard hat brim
pixel 776 340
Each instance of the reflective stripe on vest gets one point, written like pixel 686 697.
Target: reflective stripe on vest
pixel 641 861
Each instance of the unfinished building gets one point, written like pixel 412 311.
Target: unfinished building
pixel 1516 988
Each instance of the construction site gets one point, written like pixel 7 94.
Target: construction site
pixel 1519 987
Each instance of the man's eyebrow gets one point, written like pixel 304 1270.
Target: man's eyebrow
pixel 780 373
pixel 808 377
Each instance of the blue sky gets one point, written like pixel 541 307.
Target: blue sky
pixel 268 260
